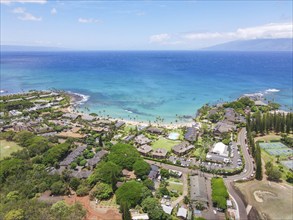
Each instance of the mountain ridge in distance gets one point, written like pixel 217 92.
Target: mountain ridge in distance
pixel 279 44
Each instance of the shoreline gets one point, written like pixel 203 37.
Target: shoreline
pixel 77 99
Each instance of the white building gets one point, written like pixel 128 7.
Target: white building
pixel 221 149
pixel 182 212
pixel 167 209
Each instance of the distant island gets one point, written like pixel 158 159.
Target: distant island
pixel 280 44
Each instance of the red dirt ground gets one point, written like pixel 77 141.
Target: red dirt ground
pixel 94 213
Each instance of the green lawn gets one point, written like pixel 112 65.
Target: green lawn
pixel 175 186
pixel 164 143
pixel 7 147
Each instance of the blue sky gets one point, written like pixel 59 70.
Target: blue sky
pixel 141 25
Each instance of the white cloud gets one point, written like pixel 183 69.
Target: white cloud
pixel 24 15
pixel 272 30
pixel 159 38
pixel 88 20
pixel 54 11
pixel 7 2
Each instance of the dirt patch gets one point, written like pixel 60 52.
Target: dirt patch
pixel 6 147
pixel 261 196
pixel 69 134
pixel 46 197
pixel 271 200
pixel 93 211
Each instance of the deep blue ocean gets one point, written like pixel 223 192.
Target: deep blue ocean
pixel 146 85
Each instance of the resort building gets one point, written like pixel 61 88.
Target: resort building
pixel 182 148
pixel 74 154
pixel 88 117
pixel 144 149
pixel 81 174
pixel 128 138
pixel 191 134
pixel 155 130
pixel 119 124
pixel 160 153
pixel 142 140
pixel 97 158
pixel 223 127
pixel 198 190
pixel 154 173
pixel 72 116
pixel 182 213
pixel 167 209
pixel 220 149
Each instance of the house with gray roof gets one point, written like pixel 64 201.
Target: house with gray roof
pixel 74 154
pixel 160 153
pixel 97 158
pixel 182 148
pixel 144 149
pixel 198 190
pixel 72 116
pixel 224 127
pixel 88 117
pixel 142 140
pixel 182 213
pixel 128 138
pixel 155 130
pixel 191 134
pixel 154 172
pixel 83 174
pixel 119 124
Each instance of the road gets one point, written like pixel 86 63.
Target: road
pixel 248 168
pixel 229 181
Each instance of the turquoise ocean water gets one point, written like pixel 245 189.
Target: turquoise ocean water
pixel 146 85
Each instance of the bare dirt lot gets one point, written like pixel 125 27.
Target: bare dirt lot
pixel 271 200
pixel 94 212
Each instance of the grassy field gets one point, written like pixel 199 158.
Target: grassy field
pixel 7 147
pixel 164 143
pixel 272 200
pixel 268 138
pixel 175 186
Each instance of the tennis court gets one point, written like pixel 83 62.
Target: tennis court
pixel 276 148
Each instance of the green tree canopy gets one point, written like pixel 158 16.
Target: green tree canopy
pixel 154 209
pixel 56 153
pixel 141 168
pixel 23 138
pixel 101 191
pixel 15 214
pixel 124 155
pixel 106 172
pixel 58 188
pixel 130 192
